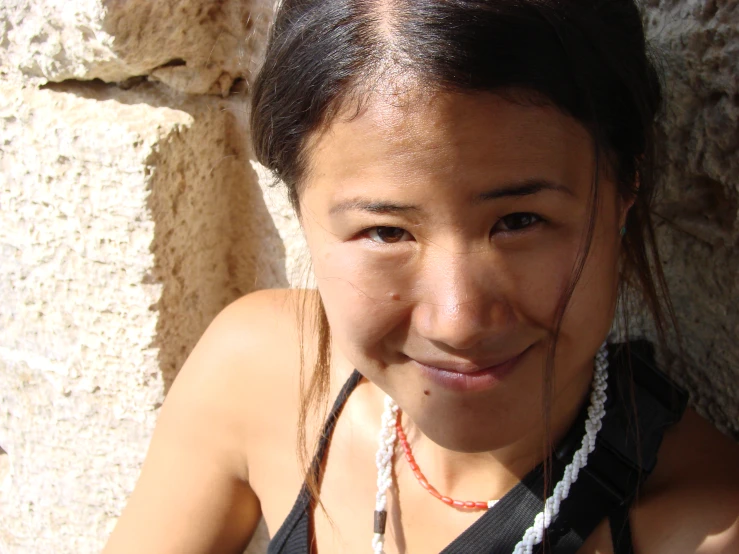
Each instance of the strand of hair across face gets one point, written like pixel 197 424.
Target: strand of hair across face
pixel 534 534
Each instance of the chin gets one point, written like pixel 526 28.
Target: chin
pixel 473 425
pixel 465 439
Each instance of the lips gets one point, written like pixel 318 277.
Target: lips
pixel 465 376
pixel 463 367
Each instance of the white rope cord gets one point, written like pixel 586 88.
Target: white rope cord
pixel 384 461
pixel 534 534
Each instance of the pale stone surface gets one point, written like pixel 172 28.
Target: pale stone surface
pixel 698 216
pixel 76 324
pixel 260 540
pixel 128 220
pixel 196 46
pixel 297 258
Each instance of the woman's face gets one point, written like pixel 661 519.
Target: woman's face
pixel 444 230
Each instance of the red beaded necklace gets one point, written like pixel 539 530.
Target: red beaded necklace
pixel 466 504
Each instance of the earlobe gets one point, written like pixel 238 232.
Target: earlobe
pixel 627 202
pixel 626 205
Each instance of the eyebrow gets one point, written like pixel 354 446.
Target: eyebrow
pixel 523 188
pixel 372 207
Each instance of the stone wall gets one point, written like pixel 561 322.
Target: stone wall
pixel 130 215
pixel 698 212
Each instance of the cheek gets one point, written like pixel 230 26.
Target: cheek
pixel 361 299
pixel 591 308
pixel 595 294
pixel 536 280
pixel 373 274
pixel 590 312
pixel 543 278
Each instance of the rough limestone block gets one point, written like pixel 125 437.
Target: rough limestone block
pixel 297 258
pixel 698 215
pixel 196 46
pixel 260 540
pixel 127 220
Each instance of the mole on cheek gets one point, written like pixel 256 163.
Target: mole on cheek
pixel 427 392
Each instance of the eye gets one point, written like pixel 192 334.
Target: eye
pixel 516 222
pixel 388 235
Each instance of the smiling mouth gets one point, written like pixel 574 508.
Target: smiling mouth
pixel 468 377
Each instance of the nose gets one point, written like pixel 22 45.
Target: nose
pixel 464 304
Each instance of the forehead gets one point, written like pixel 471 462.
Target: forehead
pixel 422 137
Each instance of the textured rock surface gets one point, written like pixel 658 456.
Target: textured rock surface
pixel 128 220
pixel 699 212
pixel 197 46
pixel 296 258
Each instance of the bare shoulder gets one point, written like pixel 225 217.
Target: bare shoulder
pixel 691 503
pixel 247 360
pixel 251 327
pixel 195 493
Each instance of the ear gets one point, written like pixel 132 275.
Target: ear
pixel 626 205
pixel 626 202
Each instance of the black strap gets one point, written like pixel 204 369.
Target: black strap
pixel 621 531
pixel 295 533
pixel 501 527
pixel 333 416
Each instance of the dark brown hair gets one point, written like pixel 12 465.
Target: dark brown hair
pixel 587 58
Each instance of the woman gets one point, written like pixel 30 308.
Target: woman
pixel 474 182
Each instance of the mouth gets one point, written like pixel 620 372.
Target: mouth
pixel 468 376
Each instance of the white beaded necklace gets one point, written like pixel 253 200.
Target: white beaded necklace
pixel 534 534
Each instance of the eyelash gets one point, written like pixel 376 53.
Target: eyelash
pixel 536 219
pixel 375 230
pixel 533 218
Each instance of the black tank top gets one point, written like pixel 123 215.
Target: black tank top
pixel 610 485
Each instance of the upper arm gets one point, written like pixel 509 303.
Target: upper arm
pixel 193 494
pixel 693 505
pixel 690 520
pixel 690 504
